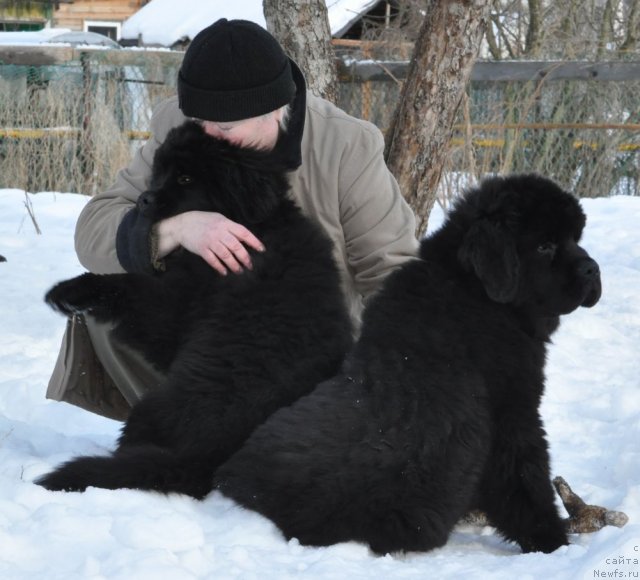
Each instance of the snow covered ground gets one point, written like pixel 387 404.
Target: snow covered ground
pixel 592 414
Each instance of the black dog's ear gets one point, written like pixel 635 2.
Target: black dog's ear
pixel 489 250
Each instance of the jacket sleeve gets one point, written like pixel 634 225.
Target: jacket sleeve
pixel 111 236
pixel 378 225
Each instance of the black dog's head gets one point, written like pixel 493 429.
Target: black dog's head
pixel 194 171
pixel 521 241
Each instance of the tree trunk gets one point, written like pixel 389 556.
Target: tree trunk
pixel 302 28
pixel 418 140
pixel 533 41
pixel 633 28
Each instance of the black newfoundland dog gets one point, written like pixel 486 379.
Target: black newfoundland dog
pixel 436 410
pixel 234 348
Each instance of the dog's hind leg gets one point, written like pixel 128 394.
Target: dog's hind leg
pixel 388 532
pixel 146 467
pixel 155 420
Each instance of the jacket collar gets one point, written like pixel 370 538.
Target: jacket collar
pixel 288 149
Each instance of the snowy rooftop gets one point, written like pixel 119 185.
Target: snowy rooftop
pixel 165 22
pixel 57 36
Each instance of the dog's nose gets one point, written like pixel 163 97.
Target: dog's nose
pixel 146 202
pixel 589 273
pixel 588 269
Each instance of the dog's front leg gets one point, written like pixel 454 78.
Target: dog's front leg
pixel 146 313
pixel 516 492
pixel 105 297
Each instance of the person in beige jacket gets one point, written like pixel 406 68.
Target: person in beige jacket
pixel 236 79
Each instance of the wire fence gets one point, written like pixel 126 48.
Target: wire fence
pixel 584 134
pixel 69 126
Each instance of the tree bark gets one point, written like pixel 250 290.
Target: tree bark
pixel 533 41
pixel 302 28
pixel 632 35
pixel 418 140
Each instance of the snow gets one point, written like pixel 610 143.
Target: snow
pixel 58 37
pixel 591 412
pixel 31 37
pixel 164 22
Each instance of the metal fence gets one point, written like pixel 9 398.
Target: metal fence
pixel 69 119
pixel 577 122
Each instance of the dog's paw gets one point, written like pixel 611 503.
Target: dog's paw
pixel 545 542
pixel 61 480
pixel 75 296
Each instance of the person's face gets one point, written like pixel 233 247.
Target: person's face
pixel 258 132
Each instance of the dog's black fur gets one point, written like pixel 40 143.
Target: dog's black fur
pixel 234 348
pixel 436 410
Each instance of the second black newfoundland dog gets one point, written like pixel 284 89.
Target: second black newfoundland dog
pixel 436 410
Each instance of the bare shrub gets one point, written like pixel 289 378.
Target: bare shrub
pixel 71 127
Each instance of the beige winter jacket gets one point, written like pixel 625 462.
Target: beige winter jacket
pixel 342 181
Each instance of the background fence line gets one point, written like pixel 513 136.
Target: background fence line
pixel 70 117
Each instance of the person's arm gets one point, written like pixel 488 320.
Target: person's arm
pixel 110 235
pixel 378 225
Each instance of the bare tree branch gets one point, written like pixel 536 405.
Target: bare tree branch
pixel 585 518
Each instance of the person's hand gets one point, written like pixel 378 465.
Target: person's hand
pixel 216 239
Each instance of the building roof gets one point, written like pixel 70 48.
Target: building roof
pixel 57 36
pixel 166 22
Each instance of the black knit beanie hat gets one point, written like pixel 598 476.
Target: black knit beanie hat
pixel 232 70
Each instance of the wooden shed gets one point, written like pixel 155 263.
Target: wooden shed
pixel 102 16
pixel 16 16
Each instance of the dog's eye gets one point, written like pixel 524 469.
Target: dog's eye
pixel 184 179
pixel 548 248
